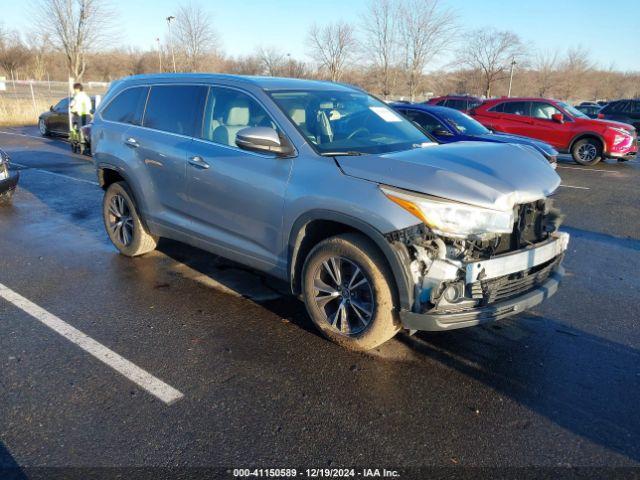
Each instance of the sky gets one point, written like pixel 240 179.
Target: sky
pixel 245 25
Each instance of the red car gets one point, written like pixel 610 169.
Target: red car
pixel 464 103
pixel 561 125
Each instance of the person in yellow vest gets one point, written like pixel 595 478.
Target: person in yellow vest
pixel 80 108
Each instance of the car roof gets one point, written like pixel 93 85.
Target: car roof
pixel 521 99
pixel 437 109
pixel 262 82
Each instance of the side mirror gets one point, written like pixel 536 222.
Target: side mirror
pixel 441 132
pixel 601 116
pixel 264 140
pixel 51 108
pixel 557 117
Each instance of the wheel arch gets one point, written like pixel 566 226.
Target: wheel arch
pixel 315 226
pixel 109 174
pixel 583 135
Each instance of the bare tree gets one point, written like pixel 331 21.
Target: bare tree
pixel 75 26
pixel 14 54
pixel 381 40
pixel 545 66
pixel 491 51
pixel 194 34
pixel 575 68
pixel 332 46
pixel 426 29
pixel 273 61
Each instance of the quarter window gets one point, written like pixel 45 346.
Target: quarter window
pixel 127 107
pixel 229 111
pixel 176 108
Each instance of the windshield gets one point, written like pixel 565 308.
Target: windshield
pixel 573 111
pixel 463 123
pixel 348 122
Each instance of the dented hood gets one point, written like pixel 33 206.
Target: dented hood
pixel 491 175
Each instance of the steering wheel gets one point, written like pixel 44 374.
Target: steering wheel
pixel 358 131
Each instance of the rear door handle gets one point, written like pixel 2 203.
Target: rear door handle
pixel 198 162
pixel 131 142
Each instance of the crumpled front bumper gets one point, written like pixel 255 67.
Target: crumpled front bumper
pixel 10 183
pixel 549 253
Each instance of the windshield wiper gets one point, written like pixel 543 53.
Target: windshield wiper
pixel 342 154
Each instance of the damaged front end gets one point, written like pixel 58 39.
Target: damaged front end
pixel 467 280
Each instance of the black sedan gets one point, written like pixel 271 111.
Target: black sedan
pixel 56 120
pixel 8 179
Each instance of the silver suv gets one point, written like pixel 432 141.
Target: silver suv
pixel 373 224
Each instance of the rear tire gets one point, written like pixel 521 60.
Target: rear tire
pixel 42 127
pixel 587 151
pixel 339 308
pixel 123 224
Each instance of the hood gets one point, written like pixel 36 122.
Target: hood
pixel 599 123
pixel 510 138
pixel 490 175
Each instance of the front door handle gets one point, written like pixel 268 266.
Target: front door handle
pixel 131 142
pixel 198 162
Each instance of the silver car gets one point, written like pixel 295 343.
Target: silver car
pixel 375 227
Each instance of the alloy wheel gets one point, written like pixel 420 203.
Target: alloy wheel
pixel 120 220
pixel 344 295
pixel 587 152
pixel 42 127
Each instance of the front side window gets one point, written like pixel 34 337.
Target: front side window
pixel 127 106
pixel 464 124
pixel 229 111
pixel 348 121
pixel 175 108
pixel 543 111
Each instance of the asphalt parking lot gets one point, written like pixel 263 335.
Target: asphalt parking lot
pixel 187 360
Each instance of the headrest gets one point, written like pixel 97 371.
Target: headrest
pixel 238 115
pixel 298 115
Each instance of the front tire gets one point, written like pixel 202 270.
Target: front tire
pixel 123 224
pixel 349 292
pixel 587 151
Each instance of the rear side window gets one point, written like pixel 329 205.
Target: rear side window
pixel 176 108
pixel 516 108
pixel 498 108
pixel 127 107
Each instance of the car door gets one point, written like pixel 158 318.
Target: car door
pixel 236 197
pixel 515 118
pixel 172 116
pixel 543 127
pixel 58 121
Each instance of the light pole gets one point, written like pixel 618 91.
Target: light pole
pixel 173 56
pixel 159 53
pixel 513 64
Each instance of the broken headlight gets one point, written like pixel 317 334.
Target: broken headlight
pixel 452 219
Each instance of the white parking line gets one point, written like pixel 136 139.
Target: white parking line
pixel 55 173
pixel 20 134
pixel 143 379
pixel 587 169
pixel 573 186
